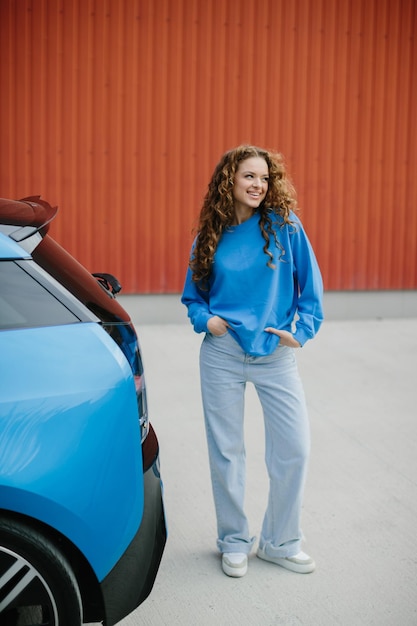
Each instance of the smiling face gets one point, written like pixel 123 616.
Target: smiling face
pixel 250 186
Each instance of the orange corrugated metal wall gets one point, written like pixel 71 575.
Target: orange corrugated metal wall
pixel 118 110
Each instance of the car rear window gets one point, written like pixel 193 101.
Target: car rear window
pixel 25 303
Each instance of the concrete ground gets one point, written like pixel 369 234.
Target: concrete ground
pixel 360 505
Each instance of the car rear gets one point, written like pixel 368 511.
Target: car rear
pixel 97 488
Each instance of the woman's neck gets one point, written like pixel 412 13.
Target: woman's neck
pixel 242 214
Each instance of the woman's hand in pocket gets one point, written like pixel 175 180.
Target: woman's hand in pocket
pixel 217 326
pixel 286 338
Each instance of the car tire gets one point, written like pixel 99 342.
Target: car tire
pixel 37 584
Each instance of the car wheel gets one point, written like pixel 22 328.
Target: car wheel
pixel 37 585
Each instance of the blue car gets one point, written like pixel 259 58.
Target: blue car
pixel 82 524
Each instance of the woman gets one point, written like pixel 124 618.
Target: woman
pixel 254 288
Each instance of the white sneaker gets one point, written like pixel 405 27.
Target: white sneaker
pixel 300 563
pixel 235 564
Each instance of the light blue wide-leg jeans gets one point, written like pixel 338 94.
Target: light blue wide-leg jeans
pixel 225 369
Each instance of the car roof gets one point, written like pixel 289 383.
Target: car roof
pixel 27 221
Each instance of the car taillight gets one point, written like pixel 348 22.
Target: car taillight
pixel 125 337
pixel 142 406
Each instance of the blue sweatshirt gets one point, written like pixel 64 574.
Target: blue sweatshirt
pixel 251 296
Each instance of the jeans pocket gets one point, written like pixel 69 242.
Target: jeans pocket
pixel 220 336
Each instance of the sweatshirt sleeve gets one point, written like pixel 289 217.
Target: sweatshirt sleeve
pixel 310 287
pixel 197 302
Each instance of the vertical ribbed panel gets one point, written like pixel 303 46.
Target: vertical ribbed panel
pixel 118 110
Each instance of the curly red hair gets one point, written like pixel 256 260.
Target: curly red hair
pixel 217 212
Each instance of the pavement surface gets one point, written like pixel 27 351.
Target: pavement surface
pixel 360 505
